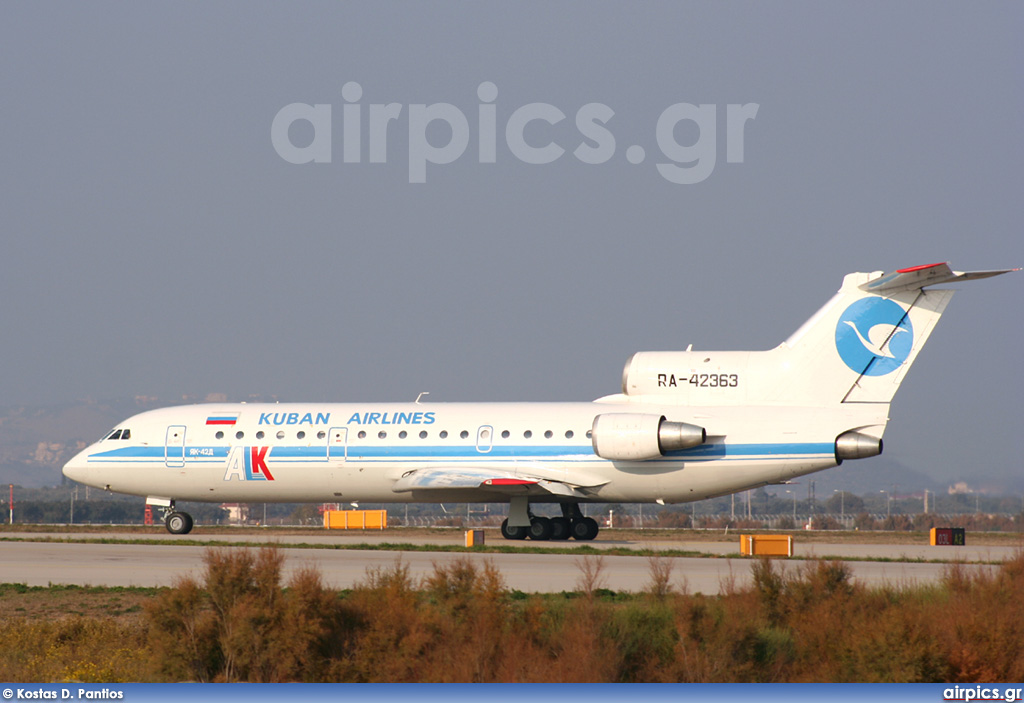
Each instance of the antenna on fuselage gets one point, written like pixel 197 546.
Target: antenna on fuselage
pixel 421 395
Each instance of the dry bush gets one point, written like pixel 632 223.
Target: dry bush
pixel 711 630
pixel 981 625
pixel 806 623
pixel 457 628
pixel 770 587
pixel 660 586
pixel 582 649
pixel 644 636
pixel 393 634
pixel 240 625
pixel 821 581
pixel 826 522
pixel 863 521
pixel 184 633
pixel 471 607
pixel 592 576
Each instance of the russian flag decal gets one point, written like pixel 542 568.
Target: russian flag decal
pixel 222 419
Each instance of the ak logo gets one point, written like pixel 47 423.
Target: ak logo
pixel 248 464
pixel 874 336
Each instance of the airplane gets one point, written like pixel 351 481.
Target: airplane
pixel 688 425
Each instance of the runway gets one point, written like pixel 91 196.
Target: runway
pixel 719 545
pixel 145 563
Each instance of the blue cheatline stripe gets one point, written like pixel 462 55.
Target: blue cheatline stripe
pixel 722 450
pixel 435 452
pixel 131 452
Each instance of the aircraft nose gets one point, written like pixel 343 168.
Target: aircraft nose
pixel 76 468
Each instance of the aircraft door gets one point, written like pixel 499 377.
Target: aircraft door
pixel 484 439
pixel 174 447
pixel 337 444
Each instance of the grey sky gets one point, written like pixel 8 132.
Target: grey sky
pixel 154 243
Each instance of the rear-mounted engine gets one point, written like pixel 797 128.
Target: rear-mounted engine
pixel 856 445
pixel 638 437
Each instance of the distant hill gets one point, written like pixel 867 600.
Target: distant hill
pixel 876 474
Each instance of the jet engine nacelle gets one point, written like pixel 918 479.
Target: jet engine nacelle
pixel 857 445
pixel 638 436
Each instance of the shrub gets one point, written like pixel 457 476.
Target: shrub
pixel 240 625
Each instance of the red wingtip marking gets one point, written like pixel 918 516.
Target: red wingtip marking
pixel 920 268
pixel 509 482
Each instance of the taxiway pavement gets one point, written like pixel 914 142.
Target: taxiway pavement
pixel 145 563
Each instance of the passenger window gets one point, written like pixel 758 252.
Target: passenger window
pixel 382 434
pixel 301 435
pixel 239 434
pixel 321 434
pixel 444 434
pixel 464 434
pixel 362 434
pixel 219 435
pixel 548 434
pixel 528 434
pixel 259 435
pixel 423 434
pixel 589 433
pixel 568 434
pixel 280 434
pixel 504 434
pixel 403 434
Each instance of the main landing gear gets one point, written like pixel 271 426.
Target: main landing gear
pixel 177 523
pixel 572 523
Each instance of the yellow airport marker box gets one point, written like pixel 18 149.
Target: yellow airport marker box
pixel 355 519
pixel 474 538
pixel 766 545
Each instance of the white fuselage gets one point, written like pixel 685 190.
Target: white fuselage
pixel 323 452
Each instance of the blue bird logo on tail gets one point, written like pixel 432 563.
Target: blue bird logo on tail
pixel 874 336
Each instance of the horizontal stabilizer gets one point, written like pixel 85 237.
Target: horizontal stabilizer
pixel 918 277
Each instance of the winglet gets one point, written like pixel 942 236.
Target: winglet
pixel 917 277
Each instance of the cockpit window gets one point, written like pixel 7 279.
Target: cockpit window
pixel 126 434
pixel 116 434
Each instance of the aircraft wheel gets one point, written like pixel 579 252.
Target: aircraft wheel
pixel 561 528
pixel 513 532
pixel 178 523
pixel 540 528
pixel 585 529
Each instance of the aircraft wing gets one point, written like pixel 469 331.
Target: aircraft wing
pixel 472 478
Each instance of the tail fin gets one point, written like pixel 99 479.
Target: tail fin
pixel 859 346
pixel 856 349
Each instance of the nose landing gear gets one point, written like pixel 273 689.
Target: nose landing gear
pixel 177 523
